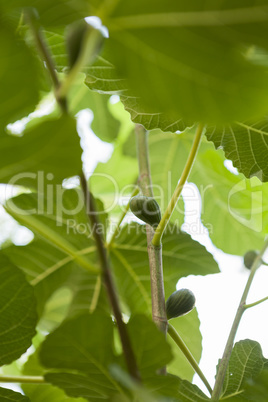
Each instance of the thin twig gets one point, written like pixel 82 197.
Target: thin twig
pixel 108 280
pixel 246 306
pixel 22 379
pixel 156 241
pixel 45 55
pixel 229 345
pixel 125 210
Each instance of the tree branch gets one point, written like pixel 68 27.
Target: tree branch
pixel 229 345
pixel 45 55
pixel 108 280
pixel 154 253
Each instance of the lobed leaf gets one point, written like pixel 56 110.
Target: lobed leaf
pixel 63 247
pixel 246 144
pixel 172 57
pixel 90 362
pixel 104 124
pixel 7 395
pixel 49 392
pixel 190 392
pixel 45 154
pixel 233 207
pixel 19 76
pixel 245 364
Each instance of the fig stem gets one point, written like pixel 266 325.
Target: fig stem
pixel 125 210
pixel 223 364
pixel 25 379
pixel 89 43
pixel 156 241
pixel 183 347
pixel 255 303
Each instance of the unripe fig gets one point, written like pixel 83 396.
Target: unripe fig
pixel 146 209
pixel 179 303
pixel 249 258
pixel 75 35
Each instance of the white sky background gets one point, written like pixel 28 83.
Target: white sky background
pixel 217 296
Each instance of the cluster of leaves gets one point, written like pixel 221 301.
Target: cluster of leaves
pixel 167 65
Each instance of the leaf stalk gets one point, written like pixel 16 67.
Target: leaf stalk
pixel 22 379
pixel 183 347
pixel 156 241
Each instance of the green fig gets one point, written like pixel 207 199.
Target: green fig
pixel 249 258
pixel 75 34
pixel 146 209
pixel 179 303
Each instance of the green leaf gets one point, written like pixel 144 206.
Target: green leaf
pixel 46 267
pixel 188 328
pixel 53 14
pixel 150 347
pixel 56 310
pixel 91 389
pixel 89 294
pixel 255 389
pixel 62 222
pixel 7 395
pixel 148 119
pixel 74 346
pixel 246 144
pixel 188 392
pixel 151 389
pixel 49 393
pixel 173 65
pixel 47 153
pixel 19 75
pixel 17 313
pixel 110 181
pixel 50 262
pixel 246 363
pixel 241 202
pixel 104 125
pixel 101 77
pixel 56 41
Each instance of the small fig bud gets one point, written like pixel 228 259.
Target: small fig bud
pixel 249 258
pixel 146 209
pixel 75 34
pixel 179 303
